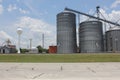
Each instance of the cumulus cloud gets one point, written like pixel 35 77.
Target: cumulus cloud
pixel 1 9
pixel 32 9
pixel 34 28
pixel 23 11
pixel 113 16
pixel 115 4
pixel 12 7
pixel 4 36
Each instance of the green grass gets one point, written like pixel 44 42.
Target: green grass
pixel 57 58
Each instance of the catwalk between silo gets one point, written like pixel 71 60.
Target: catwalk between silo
pixel 66 32
pixel 91 37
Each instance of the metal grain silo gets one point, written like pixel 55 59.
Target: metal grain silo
pixel 91 37
pixel 66 32
pixel 113 40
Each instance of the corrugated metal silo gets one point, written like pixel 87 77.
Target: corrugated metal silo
pixel 113 40
pixel 91 37
pixel 66 32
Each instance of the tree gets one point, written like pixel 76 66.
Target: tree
pixel 41 49
pixel 23 50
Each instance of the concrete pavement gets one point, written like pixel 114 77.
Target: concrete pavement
pixel 60 71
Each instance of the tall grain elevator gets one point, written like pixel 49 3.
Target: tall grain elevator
pixel 66 32
pixel 91 37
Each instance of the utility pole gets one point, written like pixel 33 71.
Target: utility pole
pixel 30 44
pixel 43 40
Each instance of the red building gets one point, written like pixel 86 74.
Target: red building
pixel 52 49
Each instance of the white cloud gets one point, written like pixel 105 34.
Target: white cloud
pixel 32 9
pixel 23 11
pixel 1 9
pixel 113 16
pixel 115 4
pixel 34 28
pixel 4 36
pixel 12 7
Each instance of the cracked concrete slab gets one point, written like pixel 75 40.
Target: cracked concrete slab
pixel 60 71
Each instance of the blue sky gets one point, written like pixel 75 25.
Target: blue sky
pixel 36 17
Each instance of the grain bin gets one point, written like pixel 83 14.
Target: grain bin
pixel 113 40
pixel 66 32
pixel 91 37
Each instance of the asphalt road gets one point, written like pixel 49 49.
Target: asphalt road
pixel 60 71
